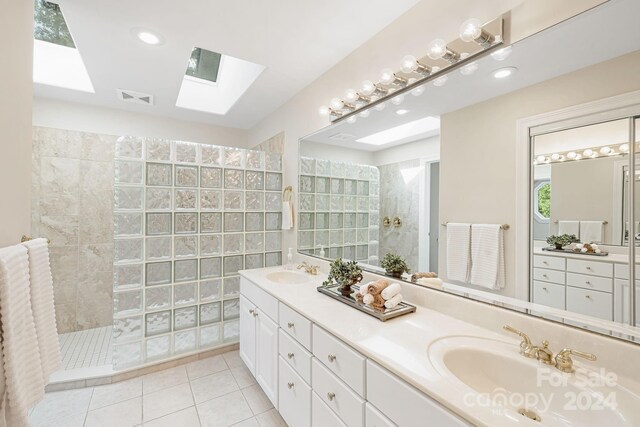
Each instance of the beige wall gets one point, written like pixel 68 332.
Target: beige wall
pixel 479 142
pixel 16 21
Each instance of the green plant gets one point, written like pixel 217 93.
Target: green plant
pixel 562 240
pixel 343 273
pixel 394 264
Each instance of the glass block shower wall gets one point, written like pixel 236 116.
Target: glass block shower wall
pixel 339 210
pixel 187 218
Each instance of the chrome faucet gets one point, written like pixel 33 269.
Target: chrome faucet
pixel 308 268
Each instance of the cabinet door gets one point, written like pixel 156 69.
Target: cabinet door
pixel 267 356
pixel 322 415
pixel 294 397
pixel 248 334
pixel 621 304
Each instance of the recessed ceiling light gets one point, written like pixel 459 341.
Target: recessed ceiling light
pixel 401 112
pixel 149 37
pixel 502 73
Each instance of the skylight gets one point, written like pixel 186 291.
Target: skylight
pixel 56 60
pixel 406 131
pixel 213 82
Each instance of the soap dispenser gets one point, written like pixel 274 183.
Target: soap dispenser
pixel 289 265
pixel 322 252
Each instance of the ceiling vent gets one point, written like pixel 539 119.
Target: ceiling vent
pixel 134 97
pixel 342 137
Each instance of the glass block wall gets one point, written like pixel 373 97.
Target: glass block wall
pixel 187 218
pixel 339 210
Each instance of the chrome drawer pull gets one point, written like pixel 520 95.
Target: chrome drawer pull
pixel 290 385
pixel 331 358
pixel 588 268
pixel 587 282
pixel 331 396
pixel 588 296
pixel 251 311
pixel 545 289
pixel 289 325
pixel 290 355
pixel 255 313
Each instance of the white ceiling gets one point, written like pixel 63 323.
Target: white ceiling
pixel 296 40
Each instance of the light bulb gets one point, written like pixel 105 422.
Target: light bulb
pixel 437 48
pixel 440 81
pixel 324 110
pixel 409 64
pixel 397 100
pixel 578 156
pixel 588 152
pixel 605 150
pixel 470 29
pixel 380 106
pixel 561 158
pixel 368 87
pixel 387 76
pixel 337 104
pixel 540 159
pixel 571 155
pixel 351 120
pixel 624 148
pixel 364 114
pixel 417 91
pixel 555 156
pixel 351 95
pixel 501 54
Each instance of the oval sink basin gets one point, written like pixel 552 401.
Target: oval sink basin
pixel 494 375
pixel 288 277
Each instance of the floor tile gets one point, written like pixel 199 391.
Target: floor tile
pixel 257 400
pixel 113 393
pixel 163 379
pixel 61 405
pixel 271 418
pixel 243 376
pixel 208 366
pixel 251 422
pixel 184 418
pixel 224 411
pixel 166 401
pixel 212 386
pixel 73 420
pixel 123 414
pixel 233 359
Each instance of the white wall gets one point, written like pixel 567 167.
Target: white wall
pixel 428 148
pixel 65 115
pixel 335 153
pixel 16 92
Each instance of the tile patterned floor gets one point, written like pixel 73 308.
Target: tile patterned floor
pixel 215 392
pixel 86 349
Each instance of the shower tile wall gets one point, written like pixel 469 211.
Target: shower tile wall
pixel 338 215
pixel 72 205
pixel 187 218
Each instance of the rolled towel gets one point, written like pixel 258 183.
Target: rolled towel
pixel 391 291
pixel 434 282
pixel 364 289
pixel 393 302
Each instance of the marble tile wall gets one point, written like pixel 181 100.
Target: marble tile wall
pixel 72 199
pixel 275 144
pixel 187 218
pixel 339 210
pixel 401 199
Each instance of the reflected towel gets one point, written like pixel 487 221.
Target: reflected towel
pixel 391 291
pixel 591 231
pixel 44 313
pixel 487 256
pixel 458 255
pixel 434 282
pixel 287 216
pixel 22 367
pixel 569 227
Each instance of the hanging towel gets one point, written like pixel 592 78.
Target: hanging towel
pixel 42 304
pixel 458 247
pixel 569 227
pixel 287 216
pixel 22 367
pixel 591 231
pixel 487 256
pixel 391 291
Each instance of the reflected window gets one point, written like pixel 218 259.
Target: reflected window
pixel 542 197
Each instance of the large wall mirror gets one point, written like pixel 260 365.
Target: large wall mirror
pixel 399 176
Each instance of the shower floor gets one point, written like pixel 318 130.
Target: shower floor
pixel 86 349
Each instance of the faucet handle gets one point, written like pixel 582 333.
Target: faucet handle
pixel 564 362
pixel 526 348
pixel 544 354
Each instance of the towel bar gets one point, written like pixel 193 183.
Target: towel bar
pixel 503 226
pixel 604 222
pixel 26 238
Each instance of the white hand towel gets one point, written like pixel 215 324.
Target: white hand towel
pixel 569 227
pixel 591 231
pixel 44 313
pixel 393 302
pixel 458 255
pixel 287 216
pixel 487 256
pixel 364 289
pixel 391 291
pixel 22 367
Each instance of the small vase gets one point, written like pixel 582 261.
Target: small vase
pixel 395 274
pixel 345 289
pixel 558 246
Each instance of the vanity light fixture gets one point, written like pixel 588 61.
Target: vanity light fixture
pixel 388 77
pixel 624 148
pixel 370 88
pixel 354 97
pixel 438 49
pixel 505 72
pixel 588 153
pixel 471 30
pixel 410 65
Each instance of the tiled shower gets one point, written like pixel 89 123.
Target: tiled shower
pixel 187 218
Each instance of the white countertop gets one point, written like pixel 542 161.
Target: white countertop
pixel 614 258
pixel 400 345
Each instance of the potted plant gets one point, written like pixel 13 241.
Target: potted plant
pixel 561 240
pixel 344 274
pixel 394 265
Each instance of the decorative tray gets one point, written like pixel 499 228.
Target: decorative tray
pixel 571 251
pixel 388 313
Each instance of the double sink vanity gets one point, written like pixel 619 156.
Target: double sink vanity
pixel 324 364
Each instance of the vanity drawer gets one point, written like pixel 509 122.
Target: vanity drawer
pixel 374 418
pixel 294 397
pixel 603 284
pixel 296 325
pixel 622 271
pixel 549 294
pixel 403 404
pixel 545 275
pixel 591 303
pixel 346 363
pixel 265 302
pixel 604 269
pixel 335 394
pixel 322 415
pixel 552 262
pixel 295 355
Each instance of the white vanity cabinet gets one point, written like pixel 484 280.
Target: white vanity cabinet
pixel 621 303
